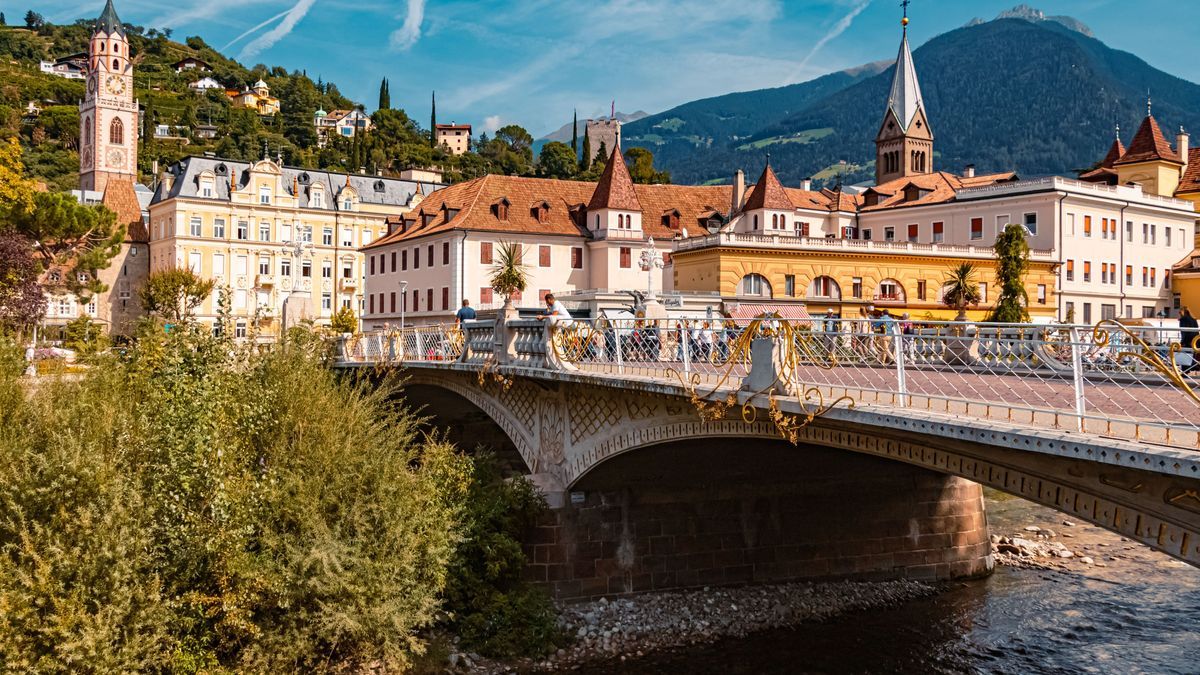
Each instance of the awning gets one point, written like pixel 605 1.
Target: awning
pixel 744 313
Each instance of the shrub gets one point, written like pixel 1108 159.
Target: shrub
pixel 344 321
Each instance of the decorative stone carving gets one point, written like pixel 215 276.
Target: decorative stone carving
pixel 551 431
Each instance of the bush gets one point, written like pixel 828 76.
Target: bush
pixel 344 321
pixel 200 506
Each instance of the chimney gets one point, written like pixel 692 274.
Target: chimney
pixel 166 180
pixel 739 192
pixel 1181 144
pixel 806 185
pixel 969 172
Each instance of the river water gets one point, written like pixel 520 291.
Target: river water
pixel 1140 613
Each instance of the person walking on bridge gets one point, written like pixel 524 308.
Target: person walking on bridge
pixel 465 313
pixel 1188 332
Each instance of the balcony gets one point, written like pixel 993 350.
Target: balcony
pixel 347 284
pixel 265 281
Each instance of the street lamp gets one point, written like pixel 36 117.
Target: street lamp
pixel 296 250
pixel 403 300
pixel 650 261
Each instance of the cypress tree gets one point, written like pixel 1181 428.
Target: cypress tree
pixel 433 121
pixel 2 21
pixel 602 153
pixel 586 162
pixel 1012 262
pixel 385 95
pixel 575 134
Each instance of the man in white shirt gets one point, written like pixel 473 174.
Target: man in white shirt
pixel 556 312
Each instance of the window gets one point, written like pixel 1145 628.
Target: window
pixel 1104 273
pixel 372 263
pixel 264 195
pixel 264 265
pixel 1129 231
pixel 326 269
pixel 243 230
pixel 347 204
pixel 305 233
pixel 195 226
pixel 326 301
pixel 938 229
pixel 890 290
pixel 866 235
pixel 239 329
pixel 1087 226
pixel 445 298
pixel 327 236
pixel 371 304
pixel 485 296
pixel 1147 311
pixel 802 229
pixel 318 199
pixel 416 300
pixel 219 228
pixel 755 285
pixel 789 285
pixel 239 265
pixel 285 267
pixel 347 270
pixel 306 269
pixel 1153 233
pixel 1087 270
pixel 1070 270
pixel 116 131
pixel 403 261
pixel 1145 233
pixel 1031 223
pixel 1153 277
pixel 856 287
pixel 1108 312
pixel 543 256
pixel 1128 311
pixel 889 234
pixel 194 262
pixel 824 287
pixel 348 238
pixel 393 301
pixel 848 232
pixel 485 253
pixel 755 222
pixel 429 255
pixel 285 232
pixel 625 256
pixel 983 288
pixel 912 233
pixel 429 299
pixel 264 230
pixel 445 253
pixel 921 289
pixel 977 228
pixel 1071 224
pixel 1145 276
pixel 576 258
pixel 416 258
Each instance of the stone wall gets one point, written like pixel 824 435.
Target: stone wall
pixel 718 513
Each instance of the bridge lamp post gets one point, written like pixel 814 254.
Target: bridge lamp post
pixel 403 300
pixel 650 261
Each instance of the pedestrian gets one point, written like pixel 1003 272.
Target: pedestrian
pixel 556 312
pixel 464 313
pixel 1187 336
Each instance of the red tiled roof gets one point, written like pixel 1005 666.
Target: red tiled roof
pixel 1190 181
pixel 768 193
pixel 120 198
pixel 1148 145
pixel 1115 153
pixel 615 189
pixel 938 187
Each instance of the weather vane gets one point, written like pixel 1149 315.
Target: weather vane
pixel 904 4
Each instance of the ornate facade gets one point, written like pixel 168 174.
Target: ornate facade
pixel 108 116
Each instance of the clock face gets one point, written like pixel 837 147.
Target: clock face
pixel 115 85
pixel 116 158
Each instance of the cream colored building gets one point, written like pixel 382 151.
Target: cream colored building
pixel 456 138
pixel 281 239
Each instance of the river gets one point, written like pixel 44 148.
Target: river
pixel 1138 613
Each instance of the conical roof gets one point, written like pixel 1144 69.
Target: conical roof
pixel 1149 145
pixel 768 193
pixel 1115 153
pixel 615 189
pixel 905 97
pixel 109 23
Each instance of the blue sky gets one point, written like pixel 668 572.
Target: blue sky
pixel 531 61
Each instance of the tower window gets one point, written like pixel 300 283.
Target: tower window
pixel 116 64
pixel 116 132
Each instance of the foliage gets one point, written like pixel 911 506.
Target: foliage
pixel 22 301
pixel 495 611
pixel 1012 262
pixel 85 337
pixel 385 95
pixel 202 507
pixel 77 240
pixel 557 160
pixel 344 321
pixel 510 275
pixel 641 167
pixel 960 288
pixel 173 294
pixel 585 161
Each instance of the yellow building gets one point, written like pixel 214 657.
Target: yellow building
pixel 283 240
pixel 257 98
pixel 848 275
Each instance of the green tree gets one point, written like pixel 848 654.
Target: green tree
pixel 601 154
pixel 585 162
pixel 385 96
pixel 510 275
pixel 3 21
pixel 33 20
pixel 78 240
pixel 173 294
pixel 1012 262
pixel 433 120
pixel 641 167
pixel 960 289
pixel 84 336
pixel 575 133
pixel 557 161
pixel 344 321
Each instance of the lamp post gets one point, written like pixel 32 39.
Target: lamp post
pixel 403 300
pixel 650 261
pixel 296 250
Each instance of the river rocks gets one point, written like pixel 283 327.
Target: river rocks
pixel 1087 560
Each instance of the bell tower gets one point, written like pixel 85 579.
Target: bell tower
pixel 108 116
pixel 904 144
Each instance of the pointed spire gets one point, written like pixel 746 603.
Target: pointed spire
pixel 109 23
pixel 768 193
pixel 615 189
pixel 1149 145
pixel 905 97
pixel 1115 152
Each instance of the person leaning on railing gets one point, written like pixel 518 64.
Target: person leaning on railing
pixel 1187 336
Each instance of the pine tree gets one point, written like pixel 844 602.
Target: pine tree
pixel 2 21
pixel 601 154
pixel 433 121
pixel 586 162
pixel 575 134
pixel 385 95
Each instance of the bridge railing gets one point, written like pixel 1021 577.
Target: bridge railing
pixel 1111 379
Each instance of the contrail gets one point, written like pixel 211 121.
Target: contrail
pixel 264 41
pixel 838 28
pixel 409 32
pixel 256 28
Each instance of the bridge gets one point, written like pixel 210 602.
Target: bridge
pixel 677 454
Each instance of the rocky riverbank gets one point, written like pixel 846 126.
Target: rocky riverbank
pixel 632 627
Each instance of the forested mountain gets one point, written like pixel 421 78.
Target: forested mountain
pixel 1035 96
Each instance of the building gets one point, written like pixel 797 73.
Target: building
pixel 455 138
pixel 73 67
pixel 257 98
pixel 603 133
pixel 108 116
pixel 191 63
pixel 342 123
pixel 285 241
pixel 204 84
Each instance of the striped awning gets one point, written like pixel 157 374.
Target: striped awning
pixel 744 313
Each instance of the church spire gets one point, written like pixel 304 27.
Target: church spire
pixel 905 97
pixel 904 144
pixel 109 23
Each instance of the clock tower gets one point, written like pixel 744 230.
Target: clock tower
pixel 108 116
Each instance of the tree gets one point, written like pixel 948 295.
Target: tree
pixel 510 274
pixel 433 120
pixel 33 20
pixel 173 294
pixel 385 96
pixel 586 162
pixel 960 289
pixel 575 133
pixel 344 321
pixel 84 337
pixel 22 301
pixel 641 167
pixel 601 154
pixel 77 239
pixel 1012 262
pixel 557 161
pixel 16 191
pixel 3 21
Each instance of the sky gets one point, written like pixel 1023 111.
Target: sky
pixel 530 62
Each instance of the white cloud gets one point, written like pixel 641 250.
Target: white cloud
pixel 404 37
pixel 269 38
pixel 491 123
pixel 255 29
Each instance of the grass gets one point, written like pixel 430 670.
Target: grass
pixel 803 137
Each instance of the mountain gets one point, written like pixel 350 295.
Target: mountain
pixel 563 133
pixel 1035 15
pixel 1034 94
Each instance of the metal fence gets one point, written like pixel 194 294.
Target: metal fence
pixel 1126 381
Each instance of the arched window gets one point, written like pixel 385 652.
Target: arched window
pixel 116 64
pixel 116 132
pixel 756 221
pixel 889 290
pixel 824 288
pixel 87 131
pixel 755 285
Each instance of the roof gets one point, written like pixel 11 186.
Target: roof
pixel 615 189
pixel 121 198
pixel 1190 181
pixel 453 126
pixel 768 193
pixel 469 206
pixel 905 97
pixel 1190 264
pixel 935 188
pixel 109 23
pixel 1148 145
pixel 370 189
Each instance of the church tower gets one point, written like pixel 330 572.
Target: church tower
pixel 904 145
pixel 108 116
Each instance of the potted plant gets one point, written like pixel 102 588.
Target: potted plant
pixel 960 290
pixel 509 274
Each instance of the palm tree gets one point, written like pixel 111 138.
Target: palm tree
pixel 509 274
pixel 960 289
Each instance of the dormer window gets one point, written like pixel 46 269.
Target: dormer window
pixel 541 212
pixel 426 219
pixel 500 209
pixel 318 198
pixel 348 203
pixel 670 219
pixel 264 195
